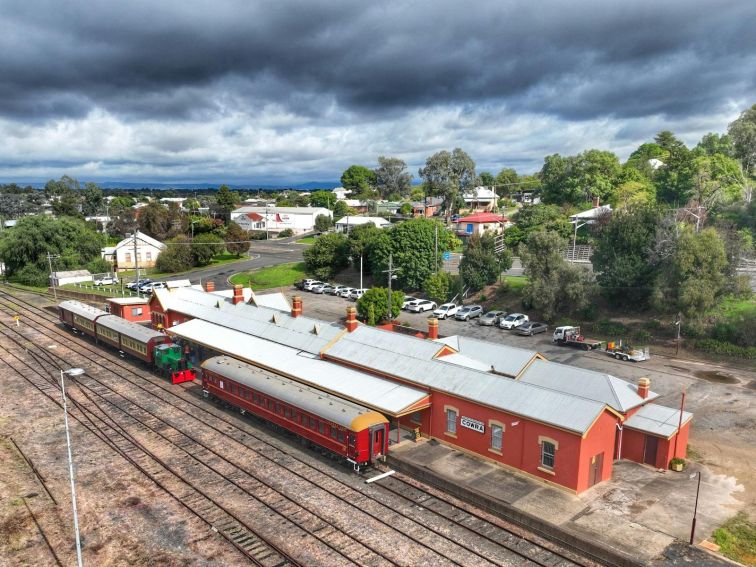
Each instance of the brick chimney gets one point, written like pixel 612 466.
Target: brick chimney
pixel 296 306
pixel 432 328
pixel 238 293
pixel 643 385
pixel 351 319
pixel 596 202
pixel 209 286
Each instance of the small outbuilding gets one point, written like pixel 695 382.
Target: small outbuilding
pixel 347 223
pixel 73 276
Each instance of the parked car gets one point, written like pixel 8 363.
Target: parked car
pixel 408 299
pixel 345 292
pixel 446 310
pixel 106 280
pixel 469 312
pixel 148 287
pixel 301 284
pixel 322 288
pixel 133 286
pixel 311 284
pixel 422 305
pixel 337 289
pixel 355 294
pixel 531 328
pixel 491 318
pixel 513 320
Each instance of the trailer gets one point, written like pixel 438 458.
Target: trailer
pixel 571 336
pixel 627 352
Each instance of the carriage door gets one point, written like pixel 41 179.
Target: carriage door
pixel 377 440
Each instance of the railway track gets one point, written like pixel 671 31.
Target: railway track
pixel 428 516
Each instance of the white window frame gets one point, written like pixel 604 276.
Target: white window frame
pixel 448 411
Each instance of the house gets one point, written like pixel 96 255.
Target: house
pixel 277 219
pixel 58 279
pixel 146 248
pixel 479 223
pixel 340 193
pixel 480 199
pixel 428 207
pixel 347 223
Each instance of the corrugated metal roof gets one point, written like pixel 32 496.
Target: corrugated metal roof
pixel 657 420
pixel 393 342
pixel 547 406
pixel 82 309
pixel 614 392
pixel 128 300
pixel 504 359
pixel 384 395
pixel 137 332
pixel 330 407
pixel 273 300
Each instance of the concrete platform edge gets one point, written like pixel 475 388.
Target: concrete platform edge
pixel 562 536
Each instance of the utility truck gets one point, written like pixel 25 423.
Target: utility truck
pixel 571 336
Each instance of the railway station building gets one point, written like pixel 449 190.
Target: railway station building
pixel 558 423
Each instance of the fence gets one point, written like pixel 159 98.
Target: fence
pixel 580 253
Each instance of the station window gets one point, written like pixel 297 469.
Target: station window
pixel 451 421
pixel 136 311
pixel 416 417
pixel 496 436
pixel 548 451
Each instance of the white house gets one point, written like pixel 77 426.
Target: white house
pixel 277 219
pixel 340 193
pixel 347 223
pixel 480 198
pixel 147 251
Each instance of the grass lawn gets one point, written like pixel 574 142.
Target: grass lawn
pixel 307 240
pixel 89 287
pixel 282 275
pixel 515 284
pixel 737 539
pixel 732 308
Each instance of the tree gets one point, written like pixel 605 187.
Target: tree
pixel 67 204
pixel 122 222
pixel 717 180
pixel 205 247
pixel 743 134
pixel 237 239
pixel 363 240
pixel 412 244
pixel 358 179
pixel 712 144
pixel 34 236
pixel 321 198
pixel 506 180
pixel 533 218
pixel 93 199
pixel 447 174
pixel 64 184
pixel 153 220
pixel 554 286
pixel 486 179
pixel 373 305
pixel 323 223
pixel 480 265
pixel 226 201
pixel 328 255
pixel 438 286
pixel 622 257
pixel 577 179
pixel 177 257
pixel 392 178
pixel 675 178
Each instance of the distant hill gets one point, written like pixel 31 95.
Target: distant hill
pixel 309 186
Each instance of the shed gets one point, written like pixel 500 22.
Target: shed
pixel 74 276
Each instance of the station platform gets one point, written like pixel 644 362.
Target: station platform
pixel 642 514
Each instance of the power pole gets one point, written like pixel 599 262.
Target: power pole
pixel 391 276
pixel 136 263
pixel 52 279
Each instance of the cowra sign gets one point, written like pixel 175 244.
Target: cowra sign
pixel 473 424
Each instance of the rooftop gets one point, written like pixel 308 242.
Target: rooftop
pixel 483 217
pixel 657 420
pixel 500 358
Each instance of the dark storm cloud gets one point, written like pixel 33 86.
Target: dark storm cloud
pixel 190 61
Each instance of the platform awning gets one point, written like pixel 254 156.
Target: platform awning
pixel 386 396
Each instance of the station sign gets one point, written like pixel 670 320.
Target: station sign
pixel 473 424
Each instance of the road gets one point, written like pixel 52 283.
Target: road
pixel 262 253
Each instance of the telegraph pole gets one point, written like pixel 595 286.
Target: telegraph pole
pixel 391 276
pixel 136 263
pixel 52 279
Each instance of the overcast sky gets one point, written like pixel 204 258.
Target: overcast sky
pixel 245 91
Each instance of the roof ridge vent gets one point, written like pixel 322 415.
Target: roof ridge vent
pixel 275 320
pixel 317 329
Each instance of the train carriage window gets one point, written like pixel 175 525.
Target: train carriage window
pixel 278 407
pixel 312 423
pixel 341 436
pixel 334 433
pixel 256 398
pixel 268 403
pixel 321 427
pixel 222 386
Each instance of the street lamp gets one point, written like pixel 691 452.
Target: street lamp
pixel 71 372
pixel 695 508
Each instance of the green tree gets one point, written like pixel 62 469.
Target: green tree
pixel 486 179
pixel 675 178
pixel 622 258
pixel 554 286
pixel 712 144
pixel 237 239
pixel 717 181
pixel 340 210
pixel 177 257
pixel 372 307
pixel 34 236
pixel 743 134
pixel 328 255
pixel 447 175
pixel 412 244
pixel 323 223
pixel 506 181
pixel 226 201
pixel 480 265
pixel 392 179
pixel 92 199
pixel 205 247
pixel 534 218
pixel 438 287
pixel 405 209
pixel 322 198
pixel 122 222
pixel 64 184
pixel 153 220
pixel 577 179
pixel 359 179
pixel 363 240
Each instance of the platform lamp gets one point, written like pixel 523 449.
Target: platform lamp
pixel 71 372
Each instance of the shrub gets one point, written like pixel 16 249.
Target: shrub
pixel 31 275
pixel 99 266
pixel 373 305
pixel 720 347
pixel 286 233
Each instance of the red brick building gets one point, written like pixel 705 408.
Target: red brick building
pixel 136 309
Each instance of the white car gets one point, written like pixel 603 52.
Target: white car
pixel 345 292
pixel 356 294
pixel 513 320
pixel 337 289
pixel 421 306
pixel 148 287
pixel 106 280
pixel 311 284
pixel 446 310
pixel 321 288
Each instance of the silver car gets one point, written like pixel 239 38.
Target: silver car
pixel 469 312
pixel 491 318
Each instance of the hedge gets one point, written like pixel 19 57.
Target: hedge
pixel 720 347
